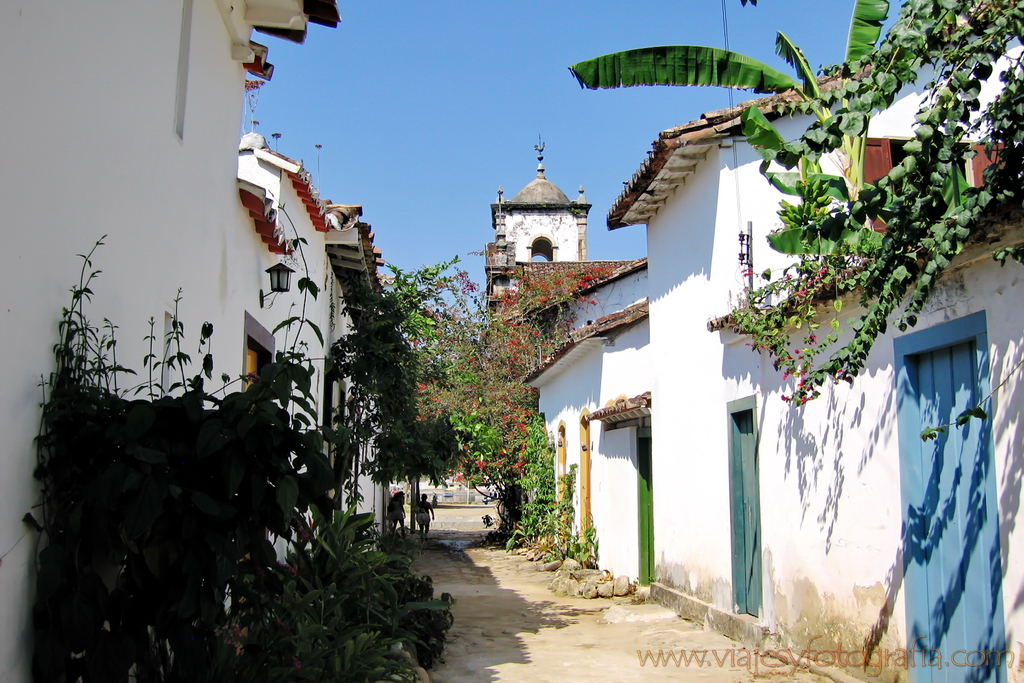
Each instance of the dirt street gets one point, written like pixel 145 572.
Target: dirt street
pixel 510 628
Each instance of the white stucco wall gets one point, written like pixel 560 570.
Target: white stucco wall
pixel 609 298
pixel 830 477
pixel 591 381
pixel 614 500
pixel 93 152
pixel 831 514
pixel 556 224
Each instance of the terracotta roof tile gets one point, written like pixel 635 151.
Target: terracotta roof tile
pixel 624 408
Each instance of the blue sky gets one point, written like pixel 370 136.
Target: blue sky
pixel 424 109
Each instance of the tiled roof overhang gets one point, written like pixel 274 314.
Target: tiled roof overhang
pixel 623 409
pixel 627 268
pixel 264 216
pixel 350 245
pixel 618 270
pixel 677 152
pixel 286 19
pixel 302 182
pixel 259 66
pixel 584 337
pixel 323 12
pixel 310 196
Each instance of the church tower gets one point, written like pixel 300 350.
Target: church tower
pixel 538 224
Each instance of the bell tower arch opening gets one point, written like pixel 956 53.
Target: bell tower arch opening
pixel 542 249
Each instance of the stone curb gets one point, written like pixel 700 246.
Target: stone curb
pixel 742 629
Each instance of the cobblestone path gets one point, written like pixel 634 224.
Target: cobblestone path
pixel 510 628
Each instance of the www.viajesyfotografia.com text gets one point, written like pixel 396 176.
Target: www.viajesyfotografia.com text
pixel 788 660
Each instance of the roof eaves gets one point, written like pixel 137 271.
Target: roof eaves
pixel 628 268
pixel 623 409
pixel 264 216
pixel 290 24
pixel 630 315
pixel 565 356
pixel 632 207
pixel 278 160
pixel 612 322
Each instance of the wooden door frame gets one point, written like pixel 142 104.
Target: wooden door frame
pixel 646 574
pixel 585 464
pixel 560 465
pixel 740 570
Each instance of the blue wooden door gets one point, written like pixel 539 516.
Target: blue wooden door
pixel 952 563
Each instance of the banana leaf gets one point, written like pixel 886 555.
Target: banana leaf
pixel 760 132
pixel 680 65
pixel 865 27
pixel 794 56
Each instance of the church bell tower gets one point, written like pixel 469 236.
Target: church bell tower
pixel 538 224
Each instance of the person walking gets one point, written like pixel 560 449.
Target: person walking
pixel 424 513
pixel 396 513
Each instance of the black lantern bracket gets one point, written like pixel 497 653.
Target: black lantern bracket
pixel 280 281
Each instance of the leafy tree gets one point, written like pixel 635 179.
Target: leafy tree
pixel 381 367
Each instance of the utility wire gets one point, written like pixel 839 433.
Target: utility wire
pixel 725 33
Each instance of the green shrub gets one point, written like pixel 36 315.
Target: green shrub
pixel 346 603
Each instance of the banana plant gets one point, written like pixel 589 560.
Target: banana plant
pixel 690 65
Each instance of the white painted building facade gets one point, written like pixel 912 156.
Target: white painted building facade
pixel 606 363
pixel 785 526
pixel 842 533
pixel 138 145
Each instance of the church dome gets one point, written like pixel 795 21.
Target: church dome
pixel 540 191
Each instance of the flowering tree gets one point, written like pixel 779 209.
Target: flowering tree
pixel 475 355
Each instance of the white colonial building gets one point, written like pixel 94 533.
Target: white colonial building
pixel 121 122
pixel 831 524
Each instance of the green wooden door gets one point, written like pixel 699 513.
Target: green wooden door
pixel 645 505
pixel 746 507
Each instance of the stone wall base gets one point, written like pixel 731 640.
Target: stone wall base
pixel 740 627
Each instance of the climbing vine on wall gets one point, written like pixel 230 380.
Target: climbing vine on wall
pixel 152 501
pixel 928 220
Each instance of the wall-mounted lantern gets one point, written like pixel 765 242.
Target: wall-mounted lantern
pixel 280 281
